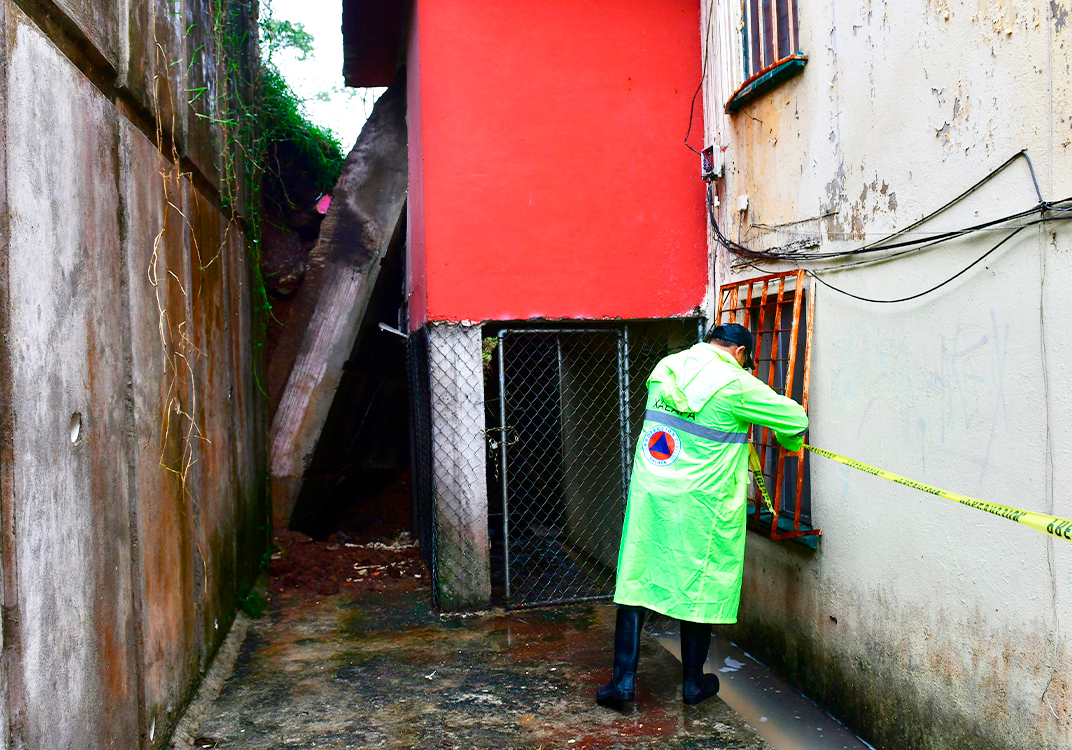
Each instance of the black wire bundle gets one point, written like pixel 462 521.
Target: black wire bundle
pixel 1045 210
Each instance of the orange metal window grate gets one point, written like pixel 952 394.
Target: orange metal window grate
pixel 774 308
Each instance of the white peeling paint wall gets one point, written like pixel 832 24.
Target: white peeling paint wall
pixel 925 624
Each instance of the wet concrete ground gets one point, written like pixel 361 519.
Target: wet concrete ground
pixel 784 717
pixel 380 669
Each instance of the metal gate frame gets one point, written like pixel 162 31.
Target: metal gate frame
pixel 623 426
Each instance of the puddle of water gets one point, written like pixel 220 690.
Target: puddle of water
pixel 782 716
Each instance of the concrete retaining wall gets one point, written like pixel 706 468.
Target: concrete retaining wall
pixel 923 623
pixel 131 434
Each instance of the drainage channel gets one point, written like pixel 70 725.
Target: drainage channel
pixel 783 717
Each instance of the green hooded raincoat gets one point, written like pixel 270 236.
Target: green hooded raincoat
pixel 682 550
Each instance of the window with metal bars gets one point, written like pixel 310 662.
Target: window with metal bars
pixel 779 311
pixel 770 48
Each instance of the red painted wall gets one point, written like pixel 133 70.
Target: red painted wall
pixel 415 276
pixel 549 178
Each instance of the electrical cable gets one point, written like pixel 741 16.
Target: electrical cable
pixel 919 243
pixel 936 287
pixel 703 77
pixel 961 272
pixel 993 173
pixel 1043 209
pixel 885 244
pixel 1046 385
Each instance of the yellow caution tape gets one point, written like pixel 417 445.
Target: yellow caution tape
pixel 757 473
pixel 1052 525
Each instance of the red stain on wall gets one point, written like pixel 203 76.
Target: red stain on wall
pixel 548 172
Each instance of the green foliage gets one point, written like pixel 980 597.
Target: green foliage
pixel 254 110
pixel 283 118
pixel 251 601
pixel 282 35
pixel 281 112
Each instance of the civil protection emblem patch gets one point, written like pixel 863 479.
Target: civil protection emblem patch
pixel 660 445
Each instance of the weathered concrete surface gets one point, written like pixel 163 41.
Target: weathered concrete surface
pixel 249 461
pixel 71 489
pixel 103 23
pixel 154 247
pixel 125 319
pixel 8 589
pixel 386 672
pixel 211 472
pixel 205 135
pixel 360 224
pixel 459 465
pixel 929 625
pixel 155 73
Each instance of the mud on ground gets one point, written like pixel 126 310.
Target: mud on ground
pixel 303 567
pixel 369 664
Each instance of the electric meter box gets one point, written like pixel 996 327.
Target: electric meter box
pixel 710 163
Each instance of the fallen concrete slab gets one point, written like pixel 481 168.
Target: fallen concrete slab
pixel 363 220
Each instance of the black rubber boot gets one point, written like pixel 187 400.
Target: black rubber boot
pixel 622 685
pixel 696 686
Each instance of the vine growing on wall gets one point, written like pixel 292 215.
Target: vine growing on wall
pixel 249 106
pixel 257 108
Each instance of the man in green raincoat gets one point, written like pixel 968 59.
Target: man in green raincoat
pixel 682 550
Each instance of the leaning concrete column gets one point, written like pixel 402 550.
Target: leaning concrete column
pixel 362 221
pixel 459 479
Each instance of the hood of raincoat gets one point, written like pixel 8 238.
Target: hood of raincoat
pixel 679 375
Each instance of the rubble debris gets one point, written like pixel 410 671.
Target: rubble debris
pixel 302 565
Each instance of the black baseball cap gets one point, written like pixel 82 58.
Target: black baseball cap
pixel 735 333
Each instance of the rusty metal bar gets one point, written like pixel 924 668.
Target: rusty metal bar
pixel 762 310
pixel 807 343
pixel 770 382
pixel 797 534
pixel 775 52
pixel 793 332
pixel 790 372
pixel 763 437
pixel 748 305
pixel 777 323
pixel 804 395
pixel 769 277
pixel 758 350
pixel 761 28
pixel 793 31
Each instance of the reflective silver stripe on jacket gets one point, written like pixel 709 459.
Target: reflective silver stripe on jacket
pixel 691 428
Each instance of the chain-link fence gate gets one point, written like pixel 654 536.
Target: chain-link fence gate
pixel 563 468
pixel 522 444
